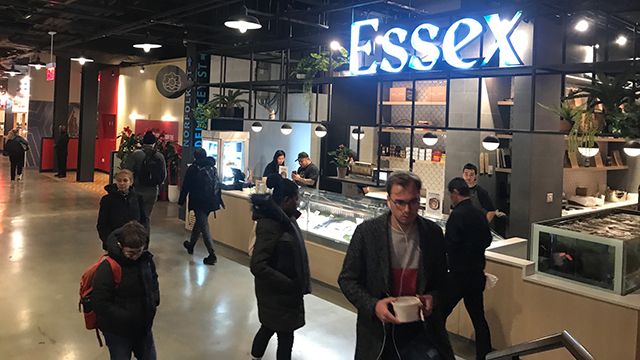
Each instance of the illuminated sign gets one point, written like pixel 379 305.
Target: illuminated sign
pixel 51 71
pixel 421 50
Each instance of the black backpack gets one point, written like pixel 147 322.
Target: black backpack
pixel 152 170
pixel 210 185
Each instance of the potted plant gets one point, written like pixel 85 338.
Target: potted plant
pixel 626 122
pixel 203 113
pixel 269 103
pixel 341 157
pixel 128 143
pixel 230 105
pixel 172 152
pixel 568 114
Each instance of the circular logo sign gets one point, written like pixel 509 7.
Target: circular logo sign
pixel 172 81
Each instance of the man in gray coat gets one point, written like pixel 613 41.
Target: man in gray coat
pixel 397 254
pixel 150 170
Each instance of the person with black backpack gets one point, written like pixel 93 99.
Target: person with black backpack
pixel 150 170
pixel 202 184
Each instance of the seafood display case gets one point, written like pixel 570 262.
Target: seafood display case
pixel 600 250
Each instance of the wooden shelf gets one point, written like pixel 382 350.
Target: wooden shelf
pixel 505 102
pixel 418 103
pixel 415 161
pixel 504 170
pixel 606 139
pixel 593 168
pixel 391 129
pixel 504 136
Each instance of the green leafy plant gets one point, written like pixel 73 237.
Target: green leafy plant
pixel 582 133
pixel 627 121
pixel 128 143
pixel 229 101
pixel 566 111
pixel 340 156
pixel 311 65
pixel 203 112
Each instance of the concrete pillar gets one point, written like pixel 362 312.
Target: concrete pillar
pixel 60 97
pixel 88 123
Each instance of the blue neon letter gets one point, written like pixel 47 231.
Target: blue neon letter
pixel 356 48
pixel 394 50
pixel 502 31
pixel 450 48
pixel 428 52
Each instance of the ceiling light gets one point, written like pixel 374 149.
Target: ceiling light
pixel 37 64
pixel 243 22
pixel 632 148
pixel 587 151
pixel 321 131
pixel 357 134
pixel 256 126
pixel 13 71
pixel 582 25
pixel 379 39
pixel 621 40
pixel 429 139
pixel 335 46
pixel 597 46
pixel 141 69
pixel 490 143
pixel 82 60
pixel 286 129
pixel 147 46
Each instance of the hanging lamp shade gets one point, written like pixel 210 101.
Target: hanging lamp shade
pixel 256 126
pixel 430 139
pixel 286 129
pixel 588 151
pixel 490 143
pixel 82 60
pixel 321 131
pixel 13 71
pixel 357 134
pixel 632 148
pixel 243 22
pixel 37 63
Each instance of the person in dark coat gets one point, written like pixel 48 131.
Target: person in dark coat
pixel 467 236
pixel 280 266
pixel 125 314
pixel 397 254
pixel 202 185
pixel 121 205
pixel 15 148
pixel 273 166
pixel 62 149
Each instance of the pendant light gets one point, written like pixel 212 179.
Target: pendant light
pixel 256 126
pixel 430 139
pixel 490 143
pixel 357 134
pixel 286 129
pixel 147 45
pixel 632 148
pixel 588 151
pixel 142 69
pixel 13 71
pixel 37 64
pixel 243 22
pixel 321 131
pixel 82 60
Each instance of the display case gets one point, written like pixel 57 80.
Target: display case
pixel 600 250
pixel 230 149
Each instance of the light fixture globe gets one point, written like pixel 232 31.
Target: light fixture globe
pixel 321 131
pixel 357 134
pixel 490 143
pixel 243 23
pixel 632 148
pixel 430 139
pixel 588 151
pixel 286 129
pixel 256 127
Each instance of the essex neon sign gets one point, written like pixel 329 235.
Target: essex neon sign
pixel 427 52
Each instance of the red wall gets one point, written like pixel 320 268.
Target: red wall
pixel 48 154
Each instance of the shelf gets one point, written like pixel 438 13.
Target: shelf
pixel 356 181
pixel 606 139
pixel 505 102
pixel 593 168
pixel 503 170
pixel 415 161
pixel 418 103
pixel 504 136
pixel 390 129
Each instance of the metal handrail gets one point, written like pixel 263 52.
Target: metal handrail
pixel 547 343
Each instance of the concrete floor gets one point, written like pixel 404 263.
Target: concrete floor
pixel 47 239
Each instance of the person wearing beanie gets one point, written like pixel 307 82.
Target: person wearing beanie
pixel 149 169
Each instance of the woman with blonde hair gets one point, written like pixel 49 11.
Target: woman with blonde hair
pixel 15 148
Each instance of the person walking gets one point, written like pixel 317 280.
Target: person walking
pixel 273 166
pixel 121 205
pixel 149 168
pixel 397 254
pixel 467 236
pixel 62 151
pixel 280 265
pixel 125 313
pixel 15 148
pixel 202 184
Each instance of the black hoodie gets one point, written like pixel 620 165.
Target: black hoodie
pixel 117 209
pixel 128 310
pixel 194 186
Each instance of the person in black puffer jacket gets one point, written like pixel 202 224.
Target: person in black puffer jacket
pixel 280 265
pixel 202 185
pixel 15 148
pixel 125 314
pixel 121 205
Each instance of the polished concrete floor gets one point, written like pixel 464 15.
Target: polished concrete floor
pixel 48 237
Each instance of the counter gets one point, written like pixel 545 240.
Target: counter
pixel 606 206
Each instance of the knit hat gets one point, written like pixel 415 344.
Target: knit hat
pixel 149 138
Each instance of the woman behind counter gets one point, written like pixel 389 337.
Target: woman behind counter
pixel 272 167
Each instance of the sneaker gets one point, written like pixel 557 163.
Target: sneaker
pixel 19 178
pixel 210 260
pixel 187 245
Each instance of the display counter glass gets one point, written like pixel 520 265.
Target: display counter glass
pixel 600 250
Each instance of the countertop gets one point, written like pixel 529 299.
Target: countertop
pixel 606 206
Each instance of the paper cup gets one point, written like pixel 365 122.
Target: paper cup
pixel 407 309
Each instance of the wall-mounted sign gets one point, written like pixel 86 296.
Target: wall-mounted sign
pixel 425 45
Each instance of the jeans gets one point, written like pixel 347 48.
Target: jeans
pixel 470 288
pixel 201 226
pixel 17 164
pixel 120 348
pixel 261 340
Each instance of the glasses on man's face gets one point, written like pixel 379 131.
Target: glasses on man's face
pixel 403 204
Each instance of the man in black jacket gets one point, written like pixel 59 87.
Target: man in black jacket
pixel 62 146
pixel 467 236
pixel 397 254
pixel 125 313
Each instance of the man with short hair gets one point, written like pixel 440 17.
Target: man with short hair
pixel 479 196
pixel 467 236
pixel 397 254
pixel 136 163
pixel 308 173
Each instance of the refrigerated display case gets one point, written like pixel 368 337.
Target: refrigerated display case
pixel 600 250
pixel 230 149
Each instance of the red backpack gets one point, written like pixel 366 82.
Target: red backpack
pixel 86 289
